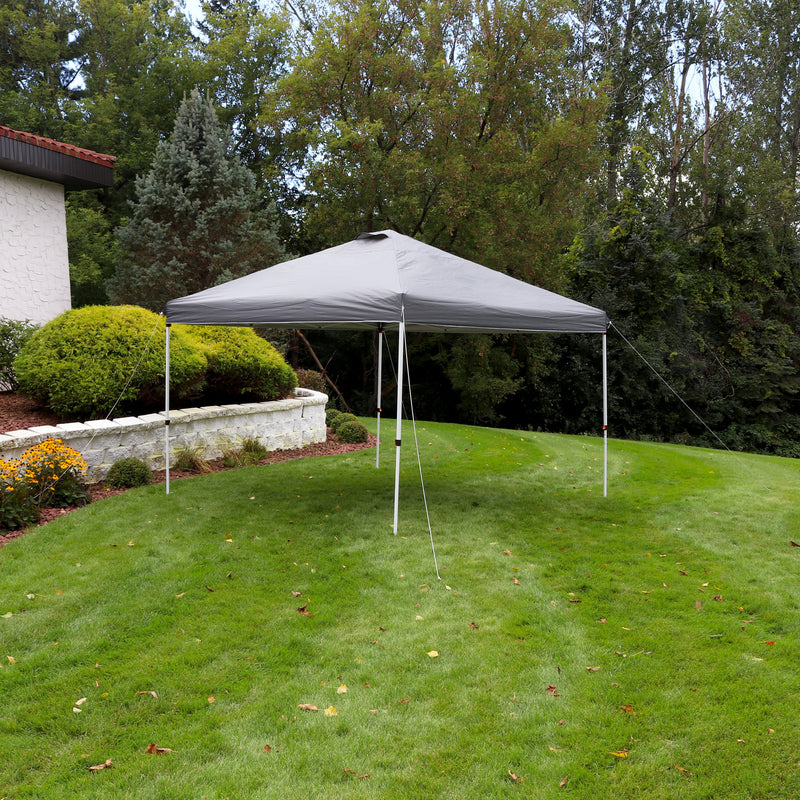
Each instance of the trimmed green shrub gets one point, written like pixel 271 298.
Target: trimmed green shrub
pixel 79 363
pixel 128 473
pixel 332 414
pixel 352 432
pixel 13 334
pixel 242 365
pixel 311 379
pixel 340 420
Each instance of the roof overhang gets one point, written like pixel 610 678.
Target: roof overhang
pixel 39 157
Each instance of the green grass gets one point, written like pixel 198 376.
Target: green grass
pixel 679 590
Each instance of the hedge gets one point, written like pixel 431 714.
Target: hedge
pixel 84 361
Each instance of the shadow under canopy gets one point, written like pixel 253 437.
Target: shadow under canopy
pixel 388 281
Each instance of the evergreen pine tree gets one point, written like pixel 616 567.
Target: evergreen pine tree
pixel 196 219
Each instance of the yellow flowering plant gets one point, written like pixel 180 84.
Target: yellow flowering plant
pixel 55 472
pixel 17 506
pixel 49 474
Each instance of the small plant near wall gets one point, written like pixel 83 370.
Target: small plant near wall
pixel 191 460
pixel 249 453
pixel 17 509
pixel 50 474
pixel 352 432
pixel 56 472
pixel 127 473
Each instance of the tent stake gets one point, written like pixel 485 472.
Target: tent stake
pixel 378 393
pixel 166 406
pixel 605 417
pixel 401 340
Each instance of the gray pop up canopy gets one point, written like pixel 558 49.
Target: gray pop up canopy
pixel 388 281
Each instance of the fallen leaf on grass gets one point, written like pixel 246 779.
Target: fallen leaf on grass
pixel 330 711
pixel 212 699
pixel 682 769
pixel 353 772
pixel 297 594
pixel 342 689
pixel 304 611
pixel 507 553
pixel 515 777
pixel 151 693
pixel 628 709
pixel 473 626
pixel 267 748
pixel 769 644
pixel 209 588
pixel 98 767
pixel 153 748
pixel 793 544
pixel 516 580
pixel 553 690
pixel 564 782
pixel 433 654
pixel 620 753
pixel 592 669
pixel 80 702
pixel 180 595
pixel 307 707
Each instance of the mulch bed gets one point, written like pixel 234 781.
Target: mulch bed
pixel 18 412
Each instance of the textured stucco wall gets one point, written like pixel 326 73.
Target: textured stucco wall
pixel 279 425
pixel 34 264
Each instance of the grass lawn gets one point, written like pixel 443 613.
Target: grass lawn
pixel 644 645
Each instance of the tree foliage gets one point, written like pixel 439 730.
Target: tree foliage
pixel 640 154
pixel 463 124
pixel 196 220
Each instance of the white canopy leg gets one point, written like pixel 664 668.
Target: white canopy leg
pixel 399 431
pixel 380 379
pixel 166 407
pixel 605 417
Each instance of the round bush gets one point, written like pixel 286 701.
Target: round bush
pixel 128 473
pixel 342 419
pixel 352 432
pixel 311 379
pixel 332 414
pixel 242 365
pixel 79 363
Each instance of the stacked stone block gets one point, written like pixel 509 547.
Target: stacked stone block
pixel 279 425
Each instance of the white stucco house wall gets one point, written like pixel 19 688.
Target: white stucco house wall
pixel 34 263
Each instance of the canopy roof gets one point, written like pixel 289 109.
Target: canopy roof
pixel 383 279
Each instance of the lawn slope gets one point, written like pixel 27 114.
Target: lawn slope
pixel 641 645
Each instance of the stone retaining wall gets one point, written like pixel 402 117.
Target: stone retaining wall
pixel 279 425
